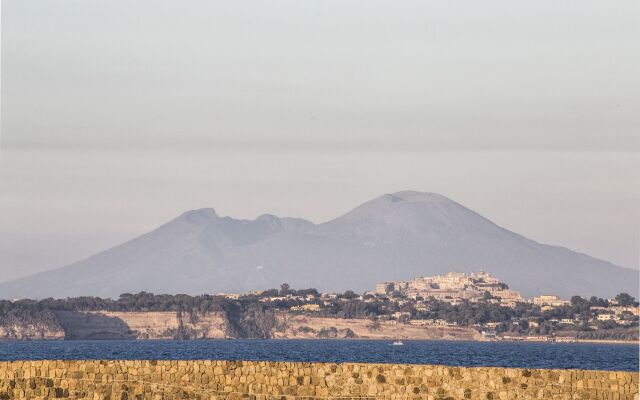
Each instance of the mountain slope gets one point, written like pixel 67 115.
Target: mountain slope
pixel 395 236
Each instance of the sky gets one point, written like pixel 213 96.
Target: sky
pixel 117 116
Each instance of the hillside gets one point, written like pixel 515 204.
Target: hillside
pixel 395 236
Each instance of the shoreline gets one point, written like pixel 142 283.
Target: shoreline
pixel 608 341
pixel 579 341
pixel 390 339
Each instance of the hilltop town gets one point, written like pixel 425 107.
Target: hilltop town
pixel 474 306
pixel 550 311
pixel 454 288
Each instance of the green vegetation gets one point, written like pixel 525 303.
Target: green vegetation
pixel 255 315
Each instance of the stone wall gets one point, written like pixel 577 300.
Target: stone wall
pixel 240 380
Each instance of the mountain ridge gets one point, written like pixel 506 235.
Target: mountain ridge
pixel 394 236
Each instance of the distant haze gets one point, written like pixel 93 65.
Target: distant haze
pixel 394 236
pixel 117 116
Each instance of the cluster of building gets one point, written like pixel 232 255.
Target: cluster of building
pixel 548 302
pixel 623 316
pixel 454 287
pixel 411 299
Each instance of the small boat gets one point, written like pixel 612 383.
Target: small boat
pixel 398 343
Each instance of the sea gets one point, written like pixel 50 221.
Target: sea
pixel 622 357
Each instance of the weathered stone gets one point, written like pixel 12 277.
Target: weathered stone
pixel 247 380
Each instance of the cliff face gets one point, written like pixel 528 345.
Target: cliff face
pixel 97 325
pixel 141 325
pixel 303 327
pixel 29 331
pixel 30 325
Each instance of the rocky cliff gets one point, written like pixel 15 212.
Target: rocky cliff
pixel 30 325
pixel 141 325
pixel 303 327
pixel 38 331
pixel 96 325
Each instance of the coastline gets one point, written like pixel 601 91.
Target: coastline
pixel 580 341
pixel 154 325
pixel 298 338
pixel 608 341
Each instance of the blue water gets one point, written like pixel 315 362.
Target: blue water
pixel 497 354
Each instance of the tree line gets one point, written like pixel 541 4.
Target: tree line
pixel 251 316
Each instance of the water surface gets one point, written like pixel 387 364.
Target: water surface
pixel 456 353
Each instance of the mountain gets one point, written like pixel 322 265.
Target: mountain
pixel 395 236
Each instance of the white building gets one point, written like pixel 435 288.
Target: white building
pixel 550 300
pixel 454 287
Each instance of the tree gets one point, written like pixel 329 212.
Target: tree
pixel 578 301
pixel 328 333
pixel 578 305
pixel 404 318
pixel 349 294
pixel 375 325
pixel 625 300
pixel 598 302
pixel 270 293
pixel 285 289
pixel 306 292
pixel 350 334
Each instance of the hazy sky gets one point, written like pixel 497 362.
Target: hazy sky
pixel 118 115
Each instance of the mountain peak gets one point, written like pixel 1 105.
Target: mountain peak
pixel 403 207
pixel 268 217
pixel 200 216
pixel 412 195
